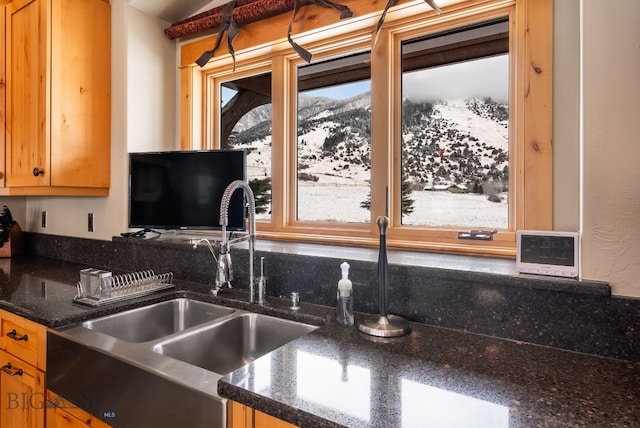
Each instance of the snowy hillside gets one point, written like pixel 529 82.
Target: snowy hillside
pixel 461 142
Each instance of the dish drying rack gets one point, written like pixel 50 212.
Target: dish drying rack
pixel 98 287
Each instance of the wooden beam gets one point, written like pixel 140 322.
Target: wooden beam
pixel 242 103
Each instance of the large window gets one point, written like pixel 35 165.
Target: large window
pixel 334 140
pixel 444 125
pixel 455 128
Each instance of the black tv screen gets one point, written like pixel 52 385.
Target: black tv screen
pixel 183 190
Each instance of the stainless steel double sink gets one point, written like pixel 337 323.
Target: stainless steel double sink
pixel 167 356
pixel 226 340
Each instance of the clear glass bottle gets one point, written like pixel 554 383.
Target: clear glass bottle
pixel 344 308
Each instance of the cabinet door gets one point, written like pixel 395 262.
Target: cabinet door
pixel 241 416
pixel 80 93
pixel 262 420
pixel 22 391
pixel 27 148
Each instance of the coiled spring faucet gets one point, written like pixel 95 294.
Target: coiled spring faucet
pixel 225 272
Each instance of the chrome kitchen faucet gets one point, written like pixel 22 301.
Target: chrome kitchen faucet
pixel 224 269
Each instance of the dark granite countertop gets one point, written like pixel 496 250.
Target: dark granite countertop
pixel 337 376
pixel 435 377
pixel 42 290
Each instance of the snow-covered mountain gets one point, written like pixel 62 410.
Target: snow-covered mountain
pixel 445 143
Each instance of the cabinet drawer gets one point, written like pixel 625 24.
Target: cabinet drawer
pixel 25 373
pixel 23 339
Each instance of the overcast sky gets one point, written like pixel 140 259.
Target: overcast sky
pixel 487 77
pixel 478 78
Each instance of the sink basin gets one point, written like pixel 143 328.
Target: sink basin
pixel 157 320
pixel 177 349
pixel 226 346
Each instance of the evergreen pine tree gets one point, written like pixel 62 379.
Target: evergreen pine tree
pixel 261 188
pixel 407 203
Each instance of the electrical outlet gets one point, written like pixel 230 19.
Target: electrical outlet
pixel 44 219
pixel 90 222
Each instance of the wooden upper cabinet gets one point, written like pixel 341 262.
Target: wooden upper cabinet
pixel 81 93
pixel 58 97
pixel 26 136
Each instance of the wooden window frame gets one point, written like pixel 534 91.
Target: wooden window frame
pixel 530 56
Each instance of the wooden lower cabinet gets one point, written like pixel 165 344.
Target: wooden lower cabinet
pixel 22 391
pixel 262 420
pixel 241 416
pixel 22 369
pixel 62 414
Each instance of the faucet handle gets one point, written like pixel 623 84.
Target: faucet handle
pixel 230 275
pixel 225 270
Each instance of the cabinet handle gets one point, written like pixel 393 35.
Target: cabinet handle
pixel 7 369
pixel 13 334
pixel 37 171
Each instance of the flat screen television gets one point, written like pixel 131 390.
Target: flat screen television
pixel 183 190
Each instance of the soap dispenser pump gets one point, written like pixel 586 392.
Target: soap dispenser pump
pixel 344 309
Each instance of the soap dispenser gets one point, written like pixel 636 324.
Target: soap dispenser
pixel 344 309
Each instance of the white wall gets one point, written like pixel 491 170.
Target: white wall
pixel 151 84
pixel 143 117
pixel 566 121
pixel 611 144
